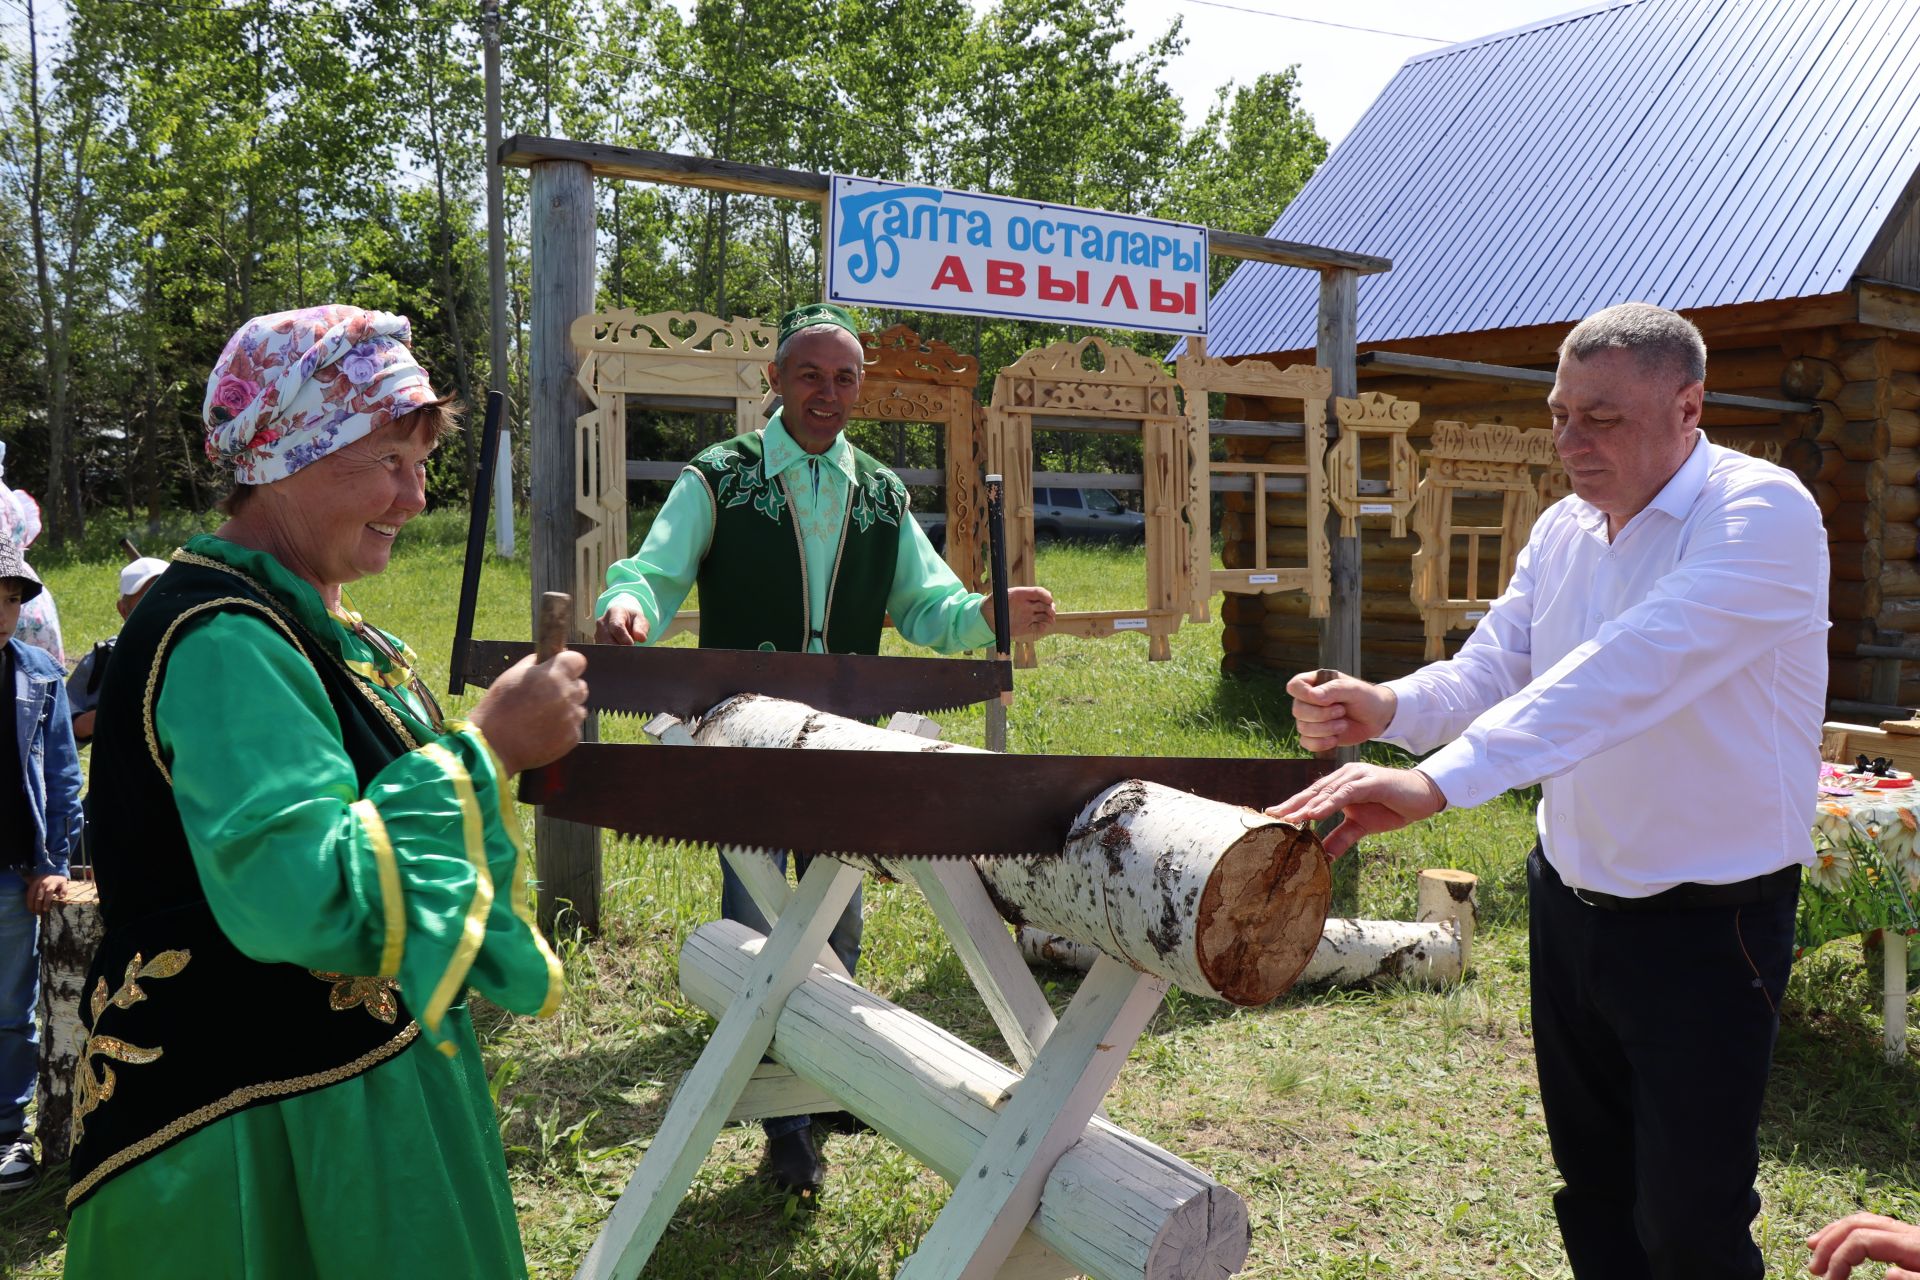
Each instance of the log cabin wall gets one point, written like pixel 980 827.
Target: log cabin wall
pixel 1858 453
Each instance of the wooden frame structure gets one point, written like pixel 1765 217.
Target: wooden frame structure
pixel 684 360
pixel 563 269
pixel 1310 385
pixel 1373 415
pixel 914 379
pixel 1054 388
pixel 1485 459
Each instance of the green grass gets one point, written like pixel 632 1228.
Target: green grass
pixel 1390 1132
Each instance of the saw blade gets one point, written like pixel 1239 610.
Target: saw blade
pixel 937 804
pixel 690 682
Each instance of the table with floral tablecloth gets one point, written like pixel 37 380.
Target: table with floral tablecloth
pixel 1865 875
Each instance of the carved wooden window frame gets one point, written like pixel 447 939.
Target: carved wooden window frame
pixel 1054 381
pixel 1309 385
pixel 624 352
pixel 1484 459
pixel 1373 415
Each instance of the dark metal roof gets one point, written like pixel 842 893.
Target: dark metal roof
pixel 1694 153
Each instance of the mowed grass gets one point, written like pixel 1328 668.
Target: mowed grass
pixel 1390 1132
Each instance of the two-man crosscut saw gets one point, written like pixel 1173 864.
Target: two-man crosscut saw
pixel 931 804
pixel 934 804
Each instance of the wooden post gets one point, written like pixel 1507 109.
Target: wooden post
pixel 498 378
pixel 1336 351
pixel 1340 633
pixel 567 855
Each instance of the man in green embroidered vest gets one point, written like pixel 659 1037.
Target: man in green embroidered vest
pixel 800 542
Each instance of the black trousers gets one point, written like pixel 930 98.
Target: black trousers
pixel 1653 1033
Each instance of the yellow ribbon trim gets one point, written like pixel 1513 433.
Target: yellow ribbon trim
pixel 474 931
pixel 392 904
pixel 519 896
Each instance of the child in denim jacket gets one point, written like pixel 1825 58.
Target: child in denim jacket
pixel 39 827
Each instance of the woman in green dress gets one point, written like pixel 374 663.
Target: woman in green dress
pixel 303 867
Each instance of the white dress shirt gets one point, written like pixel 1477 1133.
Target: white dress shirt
pixel 1667 686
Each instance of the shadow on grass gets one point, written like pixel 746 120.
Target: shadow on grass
pixel 1834 1102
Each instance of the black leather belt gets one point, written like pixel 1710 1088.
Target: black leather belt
pixel 1690 896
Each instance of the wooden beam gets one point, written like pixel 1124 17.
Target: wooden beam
pixel 1474 371
pixel 634 164
pixel 1888 305
pixel 1233 244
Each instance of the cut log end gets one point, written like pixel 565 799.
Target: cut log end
pixel 1250 951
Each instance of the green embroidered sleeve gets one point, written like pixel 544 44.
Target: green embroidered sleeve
pixel 657 578
pixel 422 876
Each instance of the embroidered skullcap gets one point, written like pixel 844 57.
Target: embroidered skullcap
pixel 816 313
pixel 13 564
pixel 140 573
pixel 291 388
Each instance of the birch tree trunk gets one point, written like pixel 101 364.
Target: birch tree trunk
pixel 69 932
pixel 1217 899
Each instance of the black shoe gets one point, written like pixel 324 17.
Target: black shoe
pixel 17 1168
pixel 793 1163
pixel 843 1123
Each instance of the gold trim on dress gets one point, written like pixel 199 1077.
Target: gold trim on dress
pixel 234 1101
pixel 518 895
pixel 474 932
pixel 160 656
pixel 392 904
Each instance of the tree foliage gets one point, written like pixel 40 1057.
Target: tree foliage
pixel 170 167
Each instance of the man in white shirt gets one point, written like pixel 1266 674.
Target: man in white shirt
pixel 1659 663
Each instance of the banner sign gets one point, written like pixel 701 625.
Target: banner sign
pixel 925 249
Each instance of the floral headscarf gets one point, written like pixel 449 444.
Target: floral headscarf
pixel 291 388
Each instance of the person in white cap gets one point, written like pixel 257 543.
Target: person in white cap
pixel 83 686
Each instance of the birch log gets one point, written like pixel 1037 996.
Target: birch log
pixel 1217 899
pixel 1115 1206
pixel 69 932
pixel 1436 947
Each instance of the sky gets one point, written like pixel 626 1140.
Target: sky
pixel 1341 69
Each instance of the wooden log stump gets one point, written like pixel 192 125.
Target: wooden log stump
pixel 1808 378
pixel 1445 895
pixel 1899 504
pixel 69 933
pixel 1114 1205
pixel 1853 599
pixel 1855 561
pixel 1219 900
pixel 1858 522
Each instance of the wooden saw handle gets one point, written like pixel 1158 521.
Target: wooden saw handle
pixel 550 634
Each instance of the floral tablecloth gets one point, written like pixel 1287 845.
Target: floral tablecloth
pixel 1866 869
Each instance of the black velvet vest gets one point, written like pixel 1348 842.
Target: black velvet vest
pixel 182 1028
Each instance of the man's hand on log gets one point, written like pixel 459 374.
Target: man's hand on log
pixel 1031 609
pixel 532 714
pixel 1333 709
pixel 1841 1246
pixel 44 891
pixel 1373 799
pixel 621 624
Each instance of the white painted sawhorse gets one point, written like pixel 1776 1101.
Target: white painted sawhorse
pixel 1068 1067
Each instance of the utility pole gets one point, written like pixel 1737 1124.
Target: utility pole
pixel 497 281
